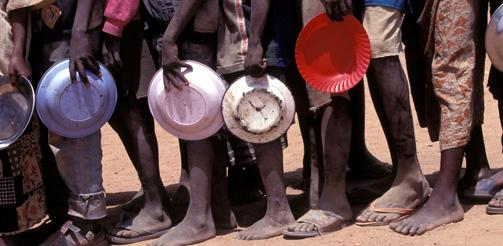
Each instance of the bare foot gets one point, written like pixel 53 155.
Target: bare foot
pixel 406 195
pixel 189 231
pixel 267 227
pixel 431 216
pixel 146 220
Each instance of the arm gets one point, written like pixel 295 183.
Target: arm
pixel 118 13
pixel 254 63
pixel 81 54
pixel 336 9
pixel 18 66
pixel 171 63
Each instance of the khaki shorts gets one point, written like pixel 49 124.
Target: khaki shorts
pixel 383 26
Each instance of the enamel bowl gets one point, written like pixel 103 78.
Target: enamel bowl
pixel 494 39
pixel 17 103
pixel 258 110
pixel 75 110
pixel 192 113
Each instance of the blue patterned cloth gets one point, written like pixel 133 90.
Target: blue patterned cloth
pixel 396 4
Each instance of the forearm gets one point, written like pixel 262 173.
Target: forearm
pixel 82 16
pixel 18 20
pixel 183 15
pixel 259 12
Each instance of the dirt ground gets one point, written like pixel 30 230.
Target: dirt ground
pixel 121 183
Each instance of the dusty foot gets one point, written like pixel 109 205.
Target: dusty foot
pixel 266 228
pixel 431 216
pixel 328 222
pixel 406 195
pixel 147 220
pixel 367 166
pixel 189 231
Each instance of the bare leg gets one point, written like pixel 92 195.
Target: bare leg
pixel 198 225
pixel 443 207
pixel 390 95
pixel 135 126
pixel 336 136
pixel 221 207
pixel 278 213
pixel 362 163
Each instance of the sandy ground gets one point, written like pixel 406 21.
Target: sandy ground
pixel 121 183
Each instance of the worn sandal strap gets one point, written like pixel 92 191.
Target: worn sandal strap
pixel 400 211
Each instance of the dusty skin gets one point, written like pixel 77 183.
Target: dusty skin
pixel 477 228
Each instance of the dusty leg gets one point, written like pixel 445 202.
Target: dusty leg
pixel 221 207
pixel 443 207
pixel 336 135
pixel 390 95
pixel 198 225
pixel 278 213
pixel 135 126
pixel 362 163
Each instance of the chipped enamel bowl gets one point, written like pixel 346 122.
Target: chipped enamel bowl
pixel 494 39
pixel 17 103
pixel 192 113
pixel 75 110
pixel 258 110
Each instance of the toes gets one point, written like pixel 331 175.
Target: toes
pixel 421 230
pixel 405 230
pixel 372 217
pixel 413 230
pixel 399 227
pixel 380 217
pixel 363 217
pixel 303 227
pixel 310 228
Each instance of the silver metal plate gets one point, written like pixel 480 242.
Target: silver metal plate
pixel 194 112
pixel 17 103
pixel 75 110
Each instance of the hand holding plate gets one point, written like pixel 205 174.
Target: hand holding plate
pixel 18 66
pixel 172 65
pixel 111 52
pixel 81 57
pixel 255 64
pixel 336 9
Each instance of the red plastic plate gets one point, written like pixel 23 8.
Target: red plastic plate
pixel 333 56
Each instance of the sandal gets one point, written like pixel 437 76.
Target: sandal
pixel 70 235
pixel 403 212
pixel 499 199
pixel 485 189
pixel 323 221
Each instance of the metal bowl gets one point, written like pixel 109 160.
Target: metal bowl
pixel 192 113
pixel 258 110
pixel 75 110
pixel 494 39
pixel 17 103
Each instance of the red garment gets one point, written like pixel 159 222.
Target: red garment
pixel 118 14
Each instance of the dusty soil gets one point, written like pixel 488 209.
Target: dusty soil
pixel 121 183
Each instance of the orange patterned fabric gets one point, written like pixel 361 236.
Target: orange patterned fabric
pixel 453 71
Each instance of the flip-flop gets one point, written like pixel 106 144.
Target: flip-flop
pixel 324 222
pixel 485 189
pixel 142 235
pixel 403 212
pixel 496 210
pixel 69 234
